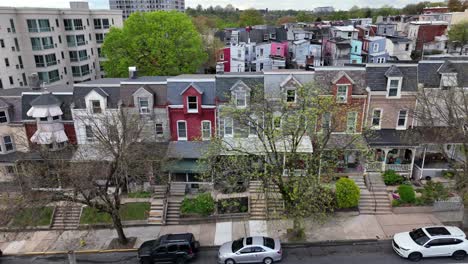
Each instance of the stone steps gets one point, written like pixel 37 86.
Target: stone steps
pixel 173 211
pixel 66 217
pixel 156 214
pixel 159 191
pixel 177 189
pixel 374 200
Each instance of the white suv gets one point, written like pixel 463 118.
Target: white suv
pixel 434 241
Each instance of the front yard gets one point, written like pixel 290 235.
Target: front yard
pixel 128 212
pixel 32 217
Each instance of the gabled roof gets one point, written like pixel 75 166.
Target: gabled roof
pixel 101 92
pixel 289 79
pixel 377 80
pixel 430 72
pixel 46 99
pixel 239 83
pixel 225 82
pixel 340 75
pixel 393 71
pixel 194 86
pixel 143 89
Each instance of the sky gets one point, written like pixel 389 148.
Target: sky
pixel 241 4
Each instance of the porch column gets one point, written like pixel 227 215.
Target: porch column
pixel 423 161
pixel 413 152
pixel 384 164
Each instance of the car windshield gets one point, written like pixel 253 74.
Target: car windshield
pixel 419 236
pixel 237 244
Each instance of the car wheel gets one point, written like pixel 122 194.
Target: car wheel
pixel 459 255
pixel 146 261
pixel 415 256
pixel 267 261
pixel 230 261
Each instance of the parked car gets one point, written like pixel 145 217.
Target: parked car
pixel 434 241
pixel 250 250
pixel 175 248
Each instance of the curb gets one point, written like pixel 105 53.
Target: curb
pixel 326 243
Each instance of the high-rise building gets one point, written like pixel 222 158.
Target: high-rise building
pixel 63 46
pixel 130 6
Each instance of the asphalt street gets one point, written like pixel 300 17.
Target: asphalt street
pixel 375 253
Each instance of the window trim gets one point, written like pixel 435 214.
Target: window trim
pixel 355 122
pixel 398 119
pixel 375 47
pixel 4 145
pixel 202 130
pixel 179 138
pixel 140 108
pixel 91 104
pixel 6 117
pixel 232 127
pixel 237 97
pixel 188 104
pixel 295 95
pixel 88 138
pixel 376 127
pixel 346 94
pixel 156 129
pixel 400 81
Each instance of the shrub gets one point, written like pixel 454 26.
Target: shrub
pixel 407 194
pixel 434 191
pixel 203 205
pixel 396 203
pixel 347 193
pixel 448 174
pixel 392 178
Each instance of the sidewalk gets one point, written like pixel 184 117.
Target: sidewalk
pixel 337 227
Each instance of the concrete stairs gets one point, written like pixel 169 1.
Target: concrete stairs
pixel 156 214
pixel 374 201
pixel 173 210
pixel 66 217
pixel 275 203
pixel 159 191
pixel 258 202
pixel 177 189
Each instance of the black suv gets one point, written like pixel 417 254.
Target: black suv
pixel 175 248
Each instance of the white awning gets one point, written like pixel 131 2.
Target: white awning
pixel 42 138
pixel 44 111
pixel 60 136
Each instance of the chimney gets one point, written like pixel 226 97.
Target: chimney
pixel 132 72
pixel 34 82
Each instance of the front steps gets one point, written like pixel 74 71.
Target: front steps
pixel 258 204
pixel 66 217
pixel 374 201
pixel 156 214
pixel 173 210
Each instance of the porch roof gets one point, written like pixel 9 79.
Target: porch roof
pixel 184 166
pixel 187 149
pixel 253 145
pixel 346 141
pixel 391 137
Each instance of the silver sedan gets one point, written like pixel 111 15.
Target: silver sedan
pixel 250 250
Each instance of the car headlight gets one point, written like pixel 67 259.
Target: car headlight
pixel 405 249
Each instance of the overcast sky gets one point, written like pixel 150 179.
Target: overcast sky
pixel 242 4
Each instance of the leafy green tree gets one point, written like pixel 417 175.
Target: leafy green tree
pixel 158 43
pixel 458 35
pixel 304 17
pixel 455 5
pixel 286 19
pixel 347 193
pixel 250 17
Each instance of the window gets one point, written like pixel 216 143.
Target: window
pixel 291 96
pixel 11 79
pixel 20 61
pixel 57 23
pixel 39 59
pixel 80 40
pixel 2 43
pixel 8 143
pixel 241 98
pixel 402 117
pixel 99 38
pixel 375 47
pixel 192 104
pixel 84 70
pixel 1 84
pixel 43 119
pixel 228 127
pixel 105 23
pixel 96 106
pixel 393 88
pixel 206 130
pixel 97 23
pixel 47 43
pixel 83 55
pixel 78 24
pixel 3 117
pixel 239 53
pixel 143 104
pixel 68 24
pixel 50 59
pixel 247 250
pixel 381 60
pixel 7 62
pixel 17 44
pixel 342 94
pixel 407 47
pixel 181 130
pixel 10 169
pixel 44 25
pixel 89 133
pixel 350 34
pixel 326 121
pixel 12 25
pixel 376 118
pixel 56 117
pixel 159 129
pixel 277 122
pixel 351 122
pixel 71 41
pixel 36 44
pixel 32 25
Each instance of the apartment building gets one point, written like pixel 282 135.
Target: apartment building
pixel 63 46
pixel 131 6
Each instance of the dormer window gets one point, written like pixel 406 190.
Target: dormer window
pixel 291 96
pixel 3 117
pixel 192 104
pixel 43 119
pixel 394 87
pixel 143 104
pixel 241 99
pixel 342 94
pixel 56 118
pixel 96 106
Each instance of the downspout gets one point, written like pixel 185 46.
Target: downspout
pixel 368 90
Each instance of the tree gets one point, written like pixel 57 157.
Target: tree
pixel 455 5
pixel 458 35
pixel 304 17
pixel 285 20
pixel 280 144
pixel 250 17
pixel 158 43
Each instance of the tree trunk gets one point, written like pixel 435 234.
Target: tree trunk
pixel 465 217
pixel 119 228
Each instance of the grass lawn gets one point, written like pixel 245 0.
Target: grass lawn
pixel 128 212
pixel 139 195
pixel 33 217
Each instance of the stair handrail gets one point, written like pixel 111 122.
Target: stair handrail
pixel 53 217
pixel 164 214
pixel 370 187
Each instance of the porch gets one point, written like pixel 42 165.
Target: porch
pixel 433 161
pixel 400 160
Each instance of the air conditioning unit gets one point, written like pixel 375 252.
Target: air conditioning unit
pixel 144 110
